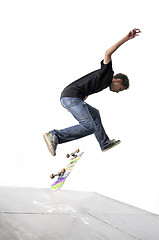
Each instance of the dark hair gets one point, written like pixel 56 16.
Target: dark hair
pixel 124 78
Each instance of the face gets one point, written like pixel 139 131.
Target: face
pixel 116 85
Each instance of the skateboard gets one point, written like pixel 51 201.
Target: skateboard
pixel 64 173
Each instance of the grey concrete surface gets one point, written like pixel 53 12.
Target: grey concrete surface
pixel 36 214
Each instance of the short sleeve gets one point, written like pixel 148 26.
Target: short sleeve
pixel 106 66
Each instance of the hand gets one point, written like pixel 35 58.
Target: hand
pixel 85 98
pixel 132 34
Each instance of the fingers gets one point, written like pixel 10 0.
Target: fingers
pixel 136 30
pixel 131 33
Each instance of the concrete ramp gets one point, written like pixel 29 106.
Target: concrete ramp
pixel 38 214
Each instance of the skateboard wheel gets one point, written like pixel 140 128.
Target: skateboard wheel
pixel 77 150
pixel 67 155
pixel 63 170
pixel 52 176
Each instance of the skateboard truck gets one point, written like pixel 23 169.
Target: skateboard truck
pixel 59 174
pixel 73 154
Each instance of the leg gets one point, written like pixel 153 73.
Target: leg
pixel 89 123
pixel 86 126
pixel 100 133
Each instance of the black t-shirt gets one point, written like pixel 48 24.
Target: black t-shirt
pixel 91 83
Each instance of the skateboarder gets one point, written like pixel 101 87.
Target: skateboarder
pixel 73 99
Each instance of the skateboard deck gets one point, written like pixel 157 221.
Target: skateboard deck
pixel 57 184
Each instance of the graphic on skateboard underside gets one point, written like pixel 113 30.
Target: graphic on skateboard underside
pixel 57 184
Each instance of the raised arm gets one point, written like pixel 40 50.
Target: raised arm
pixel 132 34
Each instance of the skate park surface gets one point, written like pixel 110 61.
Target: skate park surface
pixel 34 213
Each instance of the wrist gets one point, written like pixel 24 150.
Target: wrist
pixel 125 39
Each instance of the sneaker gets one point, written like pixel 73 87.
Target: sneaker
pixel 51 142
pixel 111 144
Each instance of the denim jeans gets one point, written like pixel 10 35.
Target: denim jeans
pixel 89 123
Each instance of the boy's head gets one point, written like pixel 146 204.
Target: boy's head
pixel 119 83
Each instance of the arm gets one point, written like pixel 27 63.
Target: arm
pixel 111 50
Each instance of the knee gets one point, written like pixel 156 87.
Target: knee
pixel 97 114
pixel 91 127
pixel 97 117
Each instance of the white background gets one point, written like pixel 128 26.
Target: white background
pixel 44 46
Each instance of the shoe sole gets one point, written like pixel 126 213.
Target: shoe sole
pixel 49 145
pixel 116 143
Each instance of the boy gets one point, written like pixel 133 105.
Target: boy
pixel 73 99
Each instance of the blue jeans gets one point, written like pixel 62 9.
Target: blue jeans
pixel 89 123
